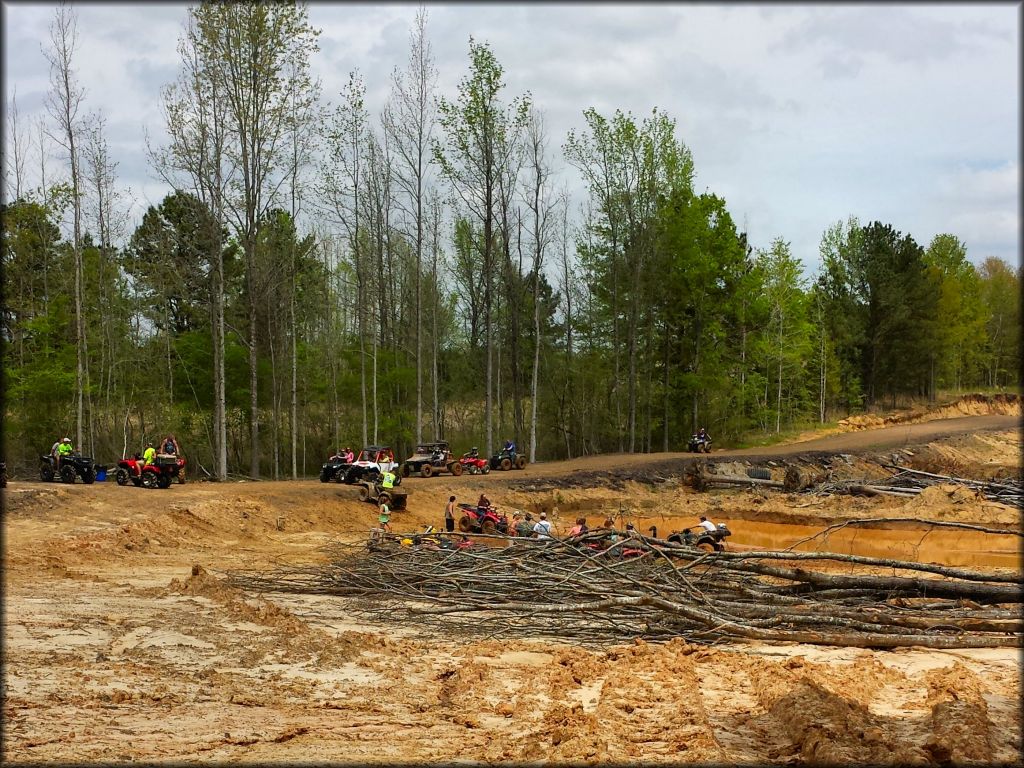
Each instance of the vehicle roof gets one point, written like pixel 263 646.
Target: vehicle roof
pixel 437 443
pixel 377 448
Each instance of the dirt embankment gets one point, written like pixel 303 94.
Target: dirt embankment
pixel 122 643
pixel 1007 404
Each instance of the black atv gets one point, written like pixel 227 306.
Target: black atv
pixel 699 444
pixel 329 471
pixel 506 459
pixel 70 466
pixel 701 538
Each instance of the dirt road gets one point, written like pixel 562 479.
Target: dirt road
pixel 849 442
pixel 122 644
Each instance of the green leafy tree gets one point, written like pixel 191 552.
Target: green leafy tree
pixel 1000 295
pixel 480 135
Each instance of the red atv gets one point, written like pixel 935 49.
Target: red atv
pixel 159 474
pixel 473 464
pixel 482 520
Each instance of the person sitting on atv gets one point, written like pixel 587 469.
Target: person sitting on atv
pixel 473 453
pixel 510 447
pixel 702 434
pixel 707 525
pixel 149 454
pixel 62 449
pixel 169 445
pixel 350 456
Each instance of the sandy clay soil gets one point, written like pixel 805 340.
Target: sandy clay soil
pixel 122 641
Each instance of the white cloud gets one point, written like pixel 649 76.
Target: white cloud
pixel 798 115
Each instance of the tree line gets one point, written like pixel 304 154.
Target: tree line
pixel 320 276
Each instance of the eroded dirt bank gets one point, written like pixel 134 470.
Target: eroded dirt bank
pixel 118 648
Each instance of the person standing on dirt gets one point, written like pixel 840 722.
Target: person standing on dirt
pixel 543 527
pixel 524 528
pixel 707 525
pixel 384 513
pixel 449 515
pixel 149 454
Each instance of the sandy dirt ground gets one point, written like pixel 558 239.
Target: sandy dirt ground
pixel 123 643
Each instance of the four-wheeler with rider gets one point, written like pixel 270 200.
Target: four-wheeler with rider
pixel 507 458
pixel 67 467
pixel 157 474
pixel 700 442
pixel 482 520
pixel 431 459
pixel 473 463
pixel 372 490
pixel 701 538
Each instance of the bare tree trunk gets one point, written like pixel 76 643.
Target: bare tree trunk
pixel 438 434
pixel 64 102
pixel 16 173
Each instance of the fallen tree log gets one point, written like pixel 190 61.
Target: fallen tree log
pixel 585 591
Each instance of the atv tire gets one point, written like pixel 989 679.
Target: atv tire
pixel 465 524
pixel 46 473
pixel 405 471
pixel 148 478
pixel 89 477
pixel 122 476
pixel 455 468
pixel 506 464
pixel 364 493
pixel 488 526
pixel 426 470
pixel 520 462
pixel 163 481
pixel 325 476
pixel 67 474
pixel 485 469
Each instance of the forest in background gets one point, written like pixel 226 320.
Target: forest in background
pixel 322 277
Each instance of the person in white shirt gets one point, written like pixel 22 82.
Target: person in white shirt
pixel 707 525
pixel 543 527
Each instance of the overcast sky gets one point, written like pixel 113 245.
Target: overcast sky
pixel 798 115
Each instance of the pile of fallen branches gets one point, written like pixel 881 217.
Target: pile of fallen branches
pixel 590 590
pixel 1007 491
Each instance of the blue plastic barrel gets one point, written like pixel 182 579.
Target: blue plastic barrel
pixel 101 474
